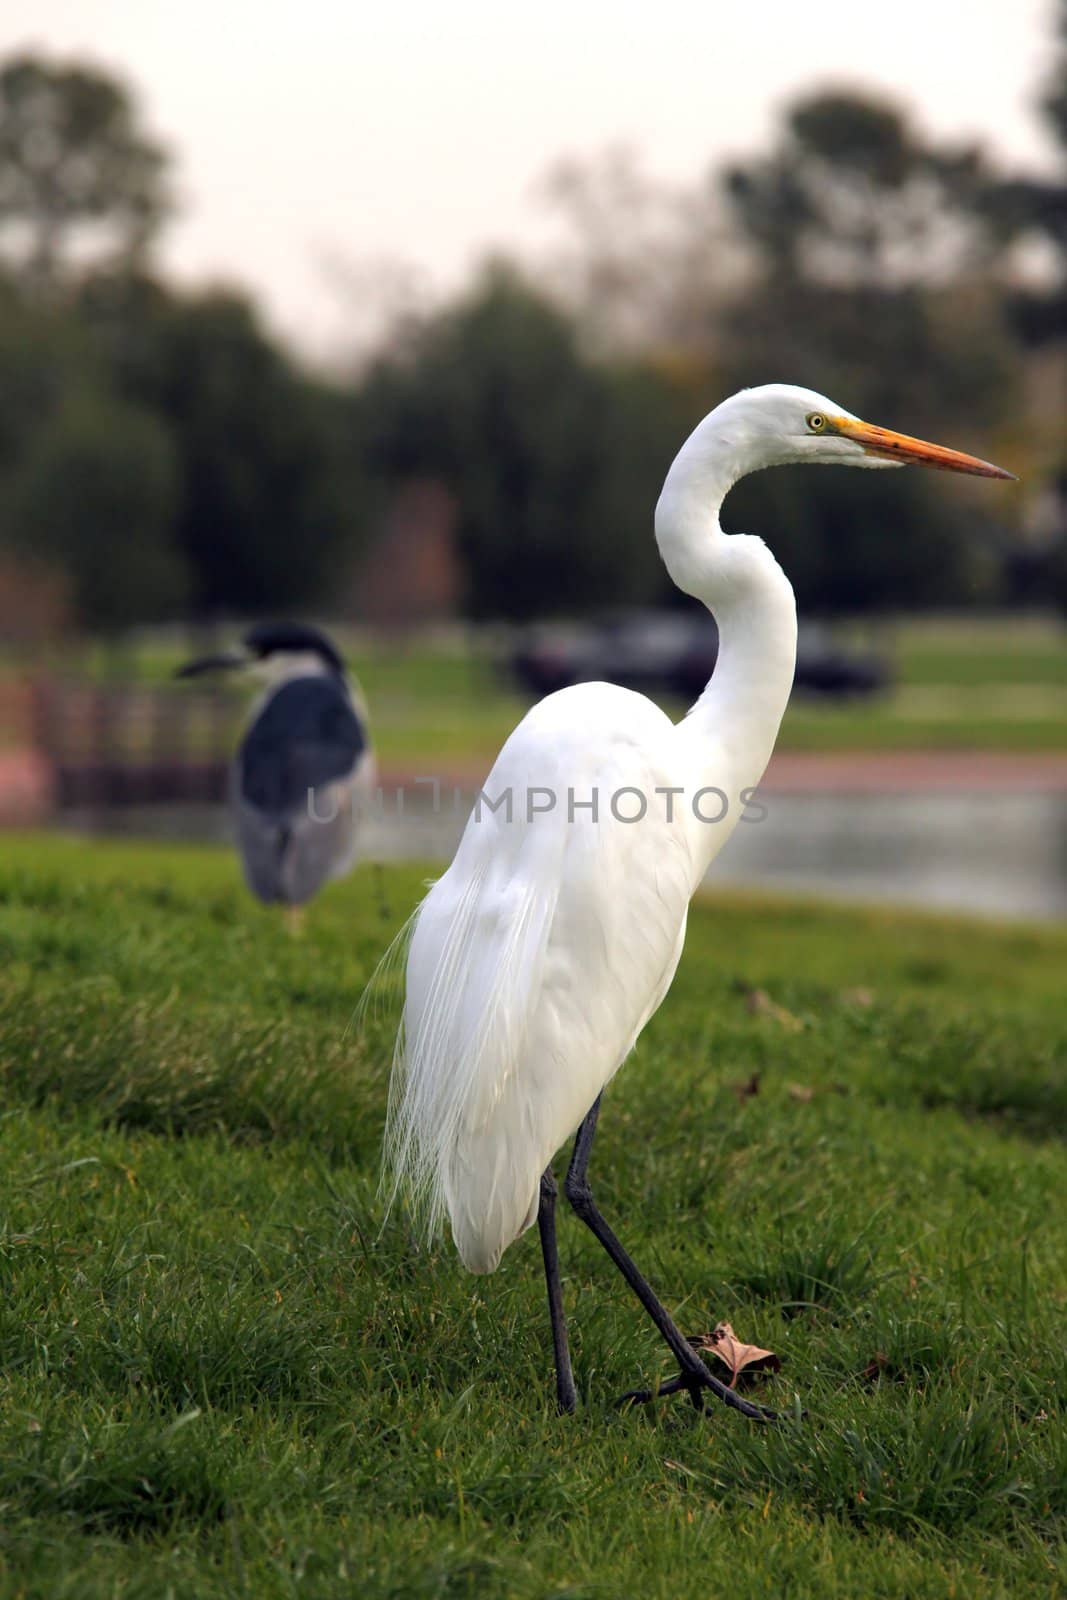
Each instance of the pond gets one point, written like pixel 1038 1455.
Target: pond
pixel 999 854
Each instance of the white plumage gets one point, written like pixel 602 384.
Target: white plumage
pixel 538 957
pixel 552 938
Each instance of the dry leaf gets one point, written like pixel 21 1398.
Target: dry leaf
pixel 857 997
pixel 747 1088
pixel 800 1092
pixel 758 1003
pixel 739 1359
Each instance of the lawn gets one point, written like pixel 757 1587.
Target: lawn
pixel 992 683
pixel 223 1376
pixel 986 684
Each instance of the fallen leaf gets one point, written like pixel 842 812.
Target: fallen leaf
pixel 801 1092
pixel 758 1003
pixel 739 1359
pixel 747 1088
pixel 857 997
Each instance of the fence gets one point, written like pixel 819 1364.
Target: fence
pixel 111 745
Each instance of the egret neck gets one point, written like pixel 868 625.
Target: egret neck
pixel 730 732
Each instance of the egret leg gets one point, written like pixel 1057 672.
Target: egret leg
pixel 546 1226
pixel 694 1375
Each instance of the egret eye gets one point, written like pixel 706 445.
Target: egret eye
pixel 816 422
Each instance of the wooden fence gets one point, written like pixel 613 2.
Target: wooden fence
pixel 111 745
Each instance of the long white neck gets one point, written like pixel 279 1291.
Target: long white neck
pixel 730 732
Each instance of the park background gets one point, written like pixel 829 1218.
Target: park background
pixel 394 324
pixel 449 453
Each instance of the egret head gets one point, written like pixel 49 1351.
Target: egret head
pixel 780 423
pixel 272 651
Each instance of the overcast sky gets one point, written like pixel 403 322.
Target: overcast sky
pixel 319 129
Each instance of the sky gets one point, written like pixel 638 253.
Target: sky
pixel 315 140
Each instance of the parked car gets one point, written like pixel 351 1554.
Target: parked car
pixel 666 652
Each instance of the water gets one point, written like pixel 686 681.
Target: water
pixel 997 854
pixel 1000 854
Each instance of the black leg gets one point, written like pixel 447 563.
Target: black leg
pixel 694 1374
pixel 546 1225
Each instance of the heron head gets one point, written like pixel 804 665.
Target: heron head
pixel 273 650
pixel 779 423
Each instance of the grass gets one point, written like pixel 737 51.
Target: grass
pixel 992 684
pixel 223 1377
pixel 997 683
pixel 987 683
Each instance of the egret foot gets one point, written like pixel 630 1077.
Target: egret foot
pixel 694 1388
pixel 294 921
pixel 694 1376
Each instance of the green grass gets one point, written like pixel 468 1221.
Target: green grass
pixel 986 683
pixel 995 685
pixel 963 724
pixel 987 650
pixel 223 1377
pixel 1001 686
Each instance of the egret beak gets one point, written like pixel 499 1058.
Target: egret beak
pixel 220 663
pixel 900 447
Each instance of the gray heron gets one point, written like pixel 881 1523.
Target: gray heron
pixel 303 765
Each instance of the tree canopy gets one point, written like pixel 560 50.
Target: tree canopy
pixel 268 482
pixel 79 180
pixel 853 196
pixel 539 445
pixel 162 451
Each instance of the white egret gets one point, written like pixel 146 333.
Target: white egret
pixel 302 766
pixel 539 956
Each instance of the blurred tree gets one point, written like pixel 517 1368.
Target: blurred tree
pixel 78 179
pixel 555 462
pixel 855 257
pixel 1029 208
pixel 160 451
pixel 1025 205
pixel 643 264
pixel 858 542
pixel 872 282
pixel 87 487
pixel 94 498
pixel 45 356
pixel 270 500
pixel 871 256
pixel 35 604
pixel 851 196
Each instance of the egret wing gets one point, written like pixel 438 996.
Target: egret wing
pixel 536 960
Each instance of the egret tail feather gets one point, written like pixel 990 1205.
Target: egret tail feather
pixel 475 965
